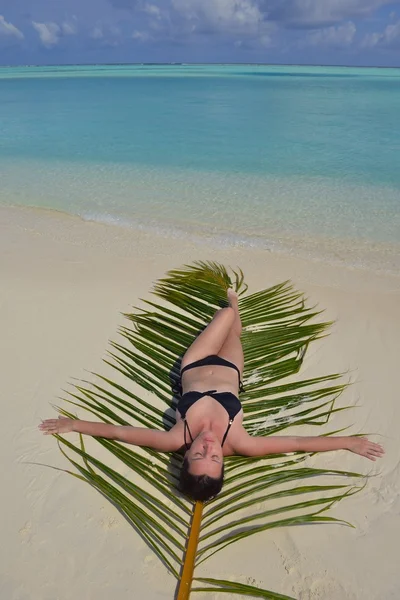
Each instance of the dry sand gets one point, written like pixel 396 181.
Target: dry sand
pixel 64 283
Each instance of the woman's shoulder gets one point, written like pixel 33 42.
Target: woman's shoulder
pixel 244 444
pixel 175 435
pixel 235 438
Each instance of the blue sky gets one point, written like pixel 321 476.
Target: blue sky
pixel 349 32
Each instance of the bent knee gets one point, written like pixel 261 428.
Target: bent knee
pixel 227 313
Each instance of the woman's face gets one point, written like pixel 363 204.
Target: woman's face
pixel 205 455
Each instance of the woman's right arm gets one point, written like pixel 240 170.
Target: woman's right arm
pixel 165 441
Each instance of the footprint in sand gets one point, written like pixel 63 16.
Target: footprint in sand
pixel 109 523
pixel 26 532
pixel 323 588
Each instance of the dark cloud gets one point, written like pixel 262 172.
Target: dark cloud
pixel 318 13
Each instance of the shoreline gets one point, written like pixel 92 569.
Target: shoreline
pixel 65 284
pixel 355 255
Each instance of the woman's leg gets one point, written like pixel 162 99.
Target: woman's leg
pixel 232 348
pixel 212 339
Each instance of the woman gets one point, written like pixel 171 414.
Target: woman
pixel 209 414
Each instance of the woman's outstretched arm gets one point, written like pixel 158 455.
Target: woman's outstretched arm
pixel 248 445
pixel 165 441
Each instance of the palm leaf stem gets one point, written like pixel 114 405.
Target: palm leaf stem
pixel 191 552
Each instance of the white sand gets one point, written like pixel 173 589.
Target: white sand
pixel 64 283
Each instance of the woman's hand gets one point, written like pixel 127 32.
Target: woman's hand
pixel 60 425
pixel 363 447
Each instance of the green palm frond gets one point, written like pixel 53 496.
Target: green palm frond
pixel 259 493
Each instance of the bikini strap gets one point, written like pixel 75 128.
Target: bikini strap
pixel 226 432
pixel 186 426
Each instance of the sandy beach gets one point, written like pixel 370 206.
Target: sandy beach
pixel 64 285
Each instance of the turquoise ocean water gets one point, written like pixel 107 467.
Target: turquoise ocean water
pixel 284 158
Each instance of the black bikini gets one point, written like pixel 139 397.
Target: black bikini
pixel 229 401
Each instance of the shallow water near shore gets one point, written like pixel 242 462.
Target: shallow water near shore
pixel 299 160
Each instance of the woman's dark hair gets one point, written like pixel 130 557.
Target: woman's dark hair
pixel 200 487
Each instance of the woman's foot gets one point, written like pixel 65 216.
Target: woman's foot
pixel 233 303
pixel 232 298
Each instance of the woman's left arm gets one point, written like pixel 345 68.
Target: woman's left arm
pixel 248 445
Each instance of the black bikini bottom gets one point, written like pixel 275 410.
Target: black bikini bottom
pixel 212 359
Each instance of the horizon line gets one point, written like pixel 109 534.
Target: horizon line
pixel 261 64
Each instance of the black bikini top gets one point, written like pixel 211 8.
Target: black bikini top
pixel 229 401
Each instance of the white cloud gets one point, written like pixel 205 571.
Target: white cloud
pixel 140 36
pixel 9 30
pixel 114 30
pixel 266 41
pixel 342 35
pixel 107 35
pixel 152 10
pixel 389 37
pixel 241 22
pixel 97 33
pixel 69 28
pixel 221 15
pixel 49 33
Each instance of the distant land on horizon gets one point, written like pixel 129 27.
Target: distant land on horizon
pixel 177 64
